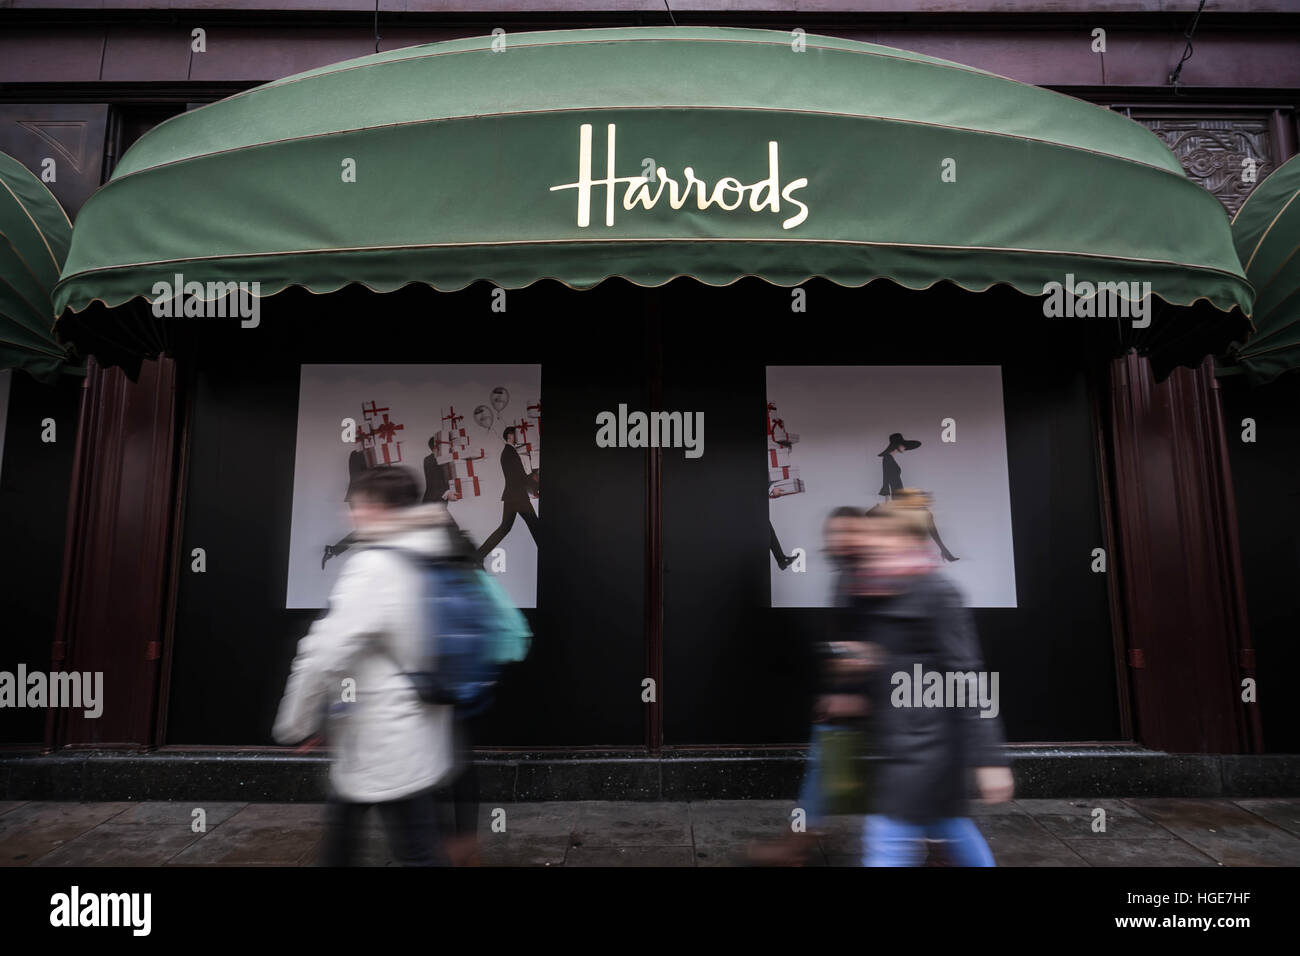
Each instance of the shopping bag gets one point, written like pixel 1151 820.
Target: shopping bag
pixel 845 775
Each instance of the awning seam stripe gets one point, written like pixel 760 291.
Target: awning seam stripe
pixel 1016 137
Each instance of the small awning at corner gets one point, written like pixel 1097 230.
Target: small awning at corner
pixel 34 237
pixel 653 153
pixel 1266 231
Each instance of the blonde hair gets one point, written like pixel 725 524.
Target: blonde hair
pixel 909 510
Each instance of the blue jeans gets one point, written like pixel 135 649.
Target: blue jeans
pixel 891 842
pixel 810 793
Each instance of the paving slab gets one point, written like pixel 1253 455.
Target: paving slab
pixel 1139 853
pixel 630 856
pixel 169 812
pixel 30 831
pixel 1074 819
pixel 1017 839
pixel 279 814
pixel 118 844
pixel 1222 830
pixel 1281 812
pixel 514 849
pixel 609 824
pixel 534 834
pixel 535 820
pixel 253 844
pixel 1141 832
pixel 723 823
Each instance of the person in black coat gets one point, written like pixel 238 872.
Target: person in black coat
pixel 893 483
pixel 917 618
pixel 515 501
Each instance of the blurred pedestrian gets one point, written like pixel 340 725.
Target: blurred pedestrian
pixel 391 750
pixel 928 747
pixel 845 657
pixel 839 707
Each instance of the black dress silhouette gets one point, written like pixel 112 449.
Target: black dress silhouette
pixel 783 560
pixel 892 484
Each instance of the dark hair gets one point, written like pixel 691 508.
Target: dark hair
pixel 393 486
pixel 510 430
pixel 433 443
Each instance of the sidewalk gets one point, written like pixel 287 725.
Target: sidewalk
pixel 1139 832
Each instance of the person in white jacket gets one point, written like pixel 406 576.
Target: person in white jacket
pixel 391 750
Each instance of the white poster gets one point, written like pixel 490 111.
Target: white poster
pixel 445 422
pixel 848 435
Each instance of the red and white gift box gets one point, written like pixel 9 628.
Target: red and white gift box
pixel 778 457
pixel 453 445
pixel 379 441
pixel 792 486
pixel 783 477
pixel 461 468
pixel 534 411
pixel 382 453
pixel 462 486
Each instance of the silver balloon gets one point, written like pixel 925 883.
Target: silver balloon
pixel 500 398
pixel 483 415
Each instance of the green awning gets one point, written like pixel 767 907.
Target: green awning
pixel 844 160
pixel 1266 231
pixel 34 235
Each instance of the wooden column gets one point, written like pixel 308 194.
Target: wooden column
pixel 1179 563
pixel 117 563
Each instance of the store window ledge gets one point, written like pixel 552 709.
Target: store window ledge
pixel 274 775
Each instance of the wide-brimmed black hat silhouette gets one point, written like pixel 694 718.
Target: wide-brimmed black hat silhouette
pixel 897 439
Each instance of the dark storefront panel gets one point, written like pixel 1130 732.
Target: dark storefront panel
pixel 234 639
pixel 65 141
pixel 735 670
pixel 1264 475
pixel 738 672
pixel 35 478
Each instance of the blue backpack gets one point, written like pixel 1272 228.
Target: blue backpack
pixel 470 631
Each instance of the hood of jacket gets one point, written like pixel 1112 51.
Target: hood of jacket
pixel 426 528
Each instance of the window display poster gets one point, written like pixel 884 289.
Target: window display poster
pixel 853 435
pixel 472 435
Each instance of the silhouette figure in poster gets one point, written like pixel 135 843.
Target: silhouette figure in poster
pixel 435 476
pixel 893 483
pixel 514 500
pixel 356 468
